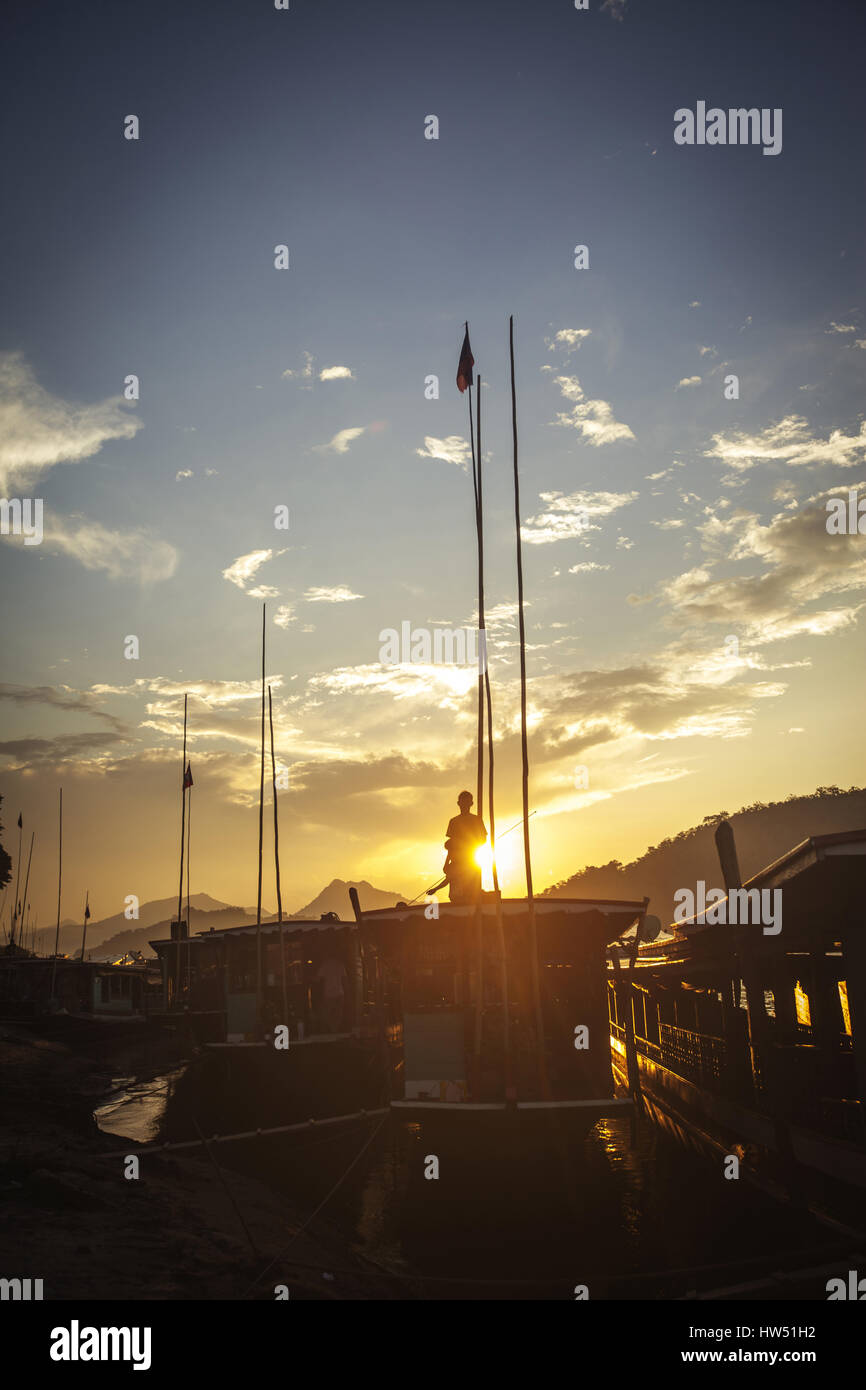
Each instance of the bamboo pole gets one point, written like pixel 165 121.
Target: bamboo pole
pixel 524 743
pixel 25 913
pixel 476 483
pixel 259 992
pixel 182 837
pixel 188 909
pixel 277 866
pixel 15 904
pixel 59 884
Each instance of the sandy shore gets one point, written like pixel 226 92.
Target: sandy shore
pixel 69 1217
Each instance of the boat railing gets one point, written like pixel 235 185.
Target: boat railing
pixel 698 1057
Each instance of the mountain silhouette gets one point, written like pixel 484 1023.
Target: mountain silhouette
pixel 763 832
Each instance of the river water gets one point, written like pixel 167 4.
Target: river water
pixel 642 1219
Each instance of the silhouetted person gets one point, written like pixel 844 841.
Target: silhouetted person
pixel 464 835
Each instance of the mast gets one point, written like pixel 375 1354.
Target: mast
pixel 25 913
pixel 524 744
pixel 479 538
pixel 16 904
pixel 261 834
pixel 277 865
pixel 182 836
pixel 86 920
pixel 188 915
pixel 59 883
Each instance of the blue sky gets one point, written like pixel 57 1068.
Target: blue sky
pixel 155 257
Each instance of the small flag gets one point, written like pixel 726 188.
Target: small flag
pixel 187 777
pixel 467 362
pixel 87 911
pixel 20 821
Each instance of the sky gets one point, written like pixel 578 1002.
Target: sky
pixel 694 633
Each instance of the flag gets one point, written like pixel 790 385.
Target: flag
pixel 187 777
pixel 20 821
pixel 87 911
pixel 467 362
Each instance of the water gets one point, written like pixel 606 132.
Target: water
pixel 134 1109
pixel 627 1221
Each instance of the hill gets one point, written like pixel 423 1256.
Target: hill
pixel 763 832
pixel 335 898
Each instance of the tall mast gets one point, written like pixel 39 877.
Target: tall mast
pixel 59 883
pixel 277 864
pixel 16 904
pixel 524 745
pixel 24 914
pixel 479 537
pixel 261 835
pixel 182 837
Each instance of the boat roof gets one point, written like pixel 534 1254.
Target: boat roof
pixel 829 873
pixel 515 907
pixel 289 926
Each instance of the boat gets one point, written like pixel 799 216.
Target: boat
pixel 749 1043
pixel 464 1035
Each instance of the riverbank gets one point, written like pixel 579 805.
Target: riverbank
pixel 182 1230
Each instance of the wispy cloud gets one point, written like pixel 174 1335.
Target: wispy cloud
pixel 566 517
pixel 337 594
pixel 790 441
pixel 342 439
pixel 39 430
pixel 568 338
pixel 593 419
pixel 245 567
pixel 454 449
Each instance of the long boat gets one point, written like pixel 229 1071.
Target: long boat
pixel 750 1044
pixel 464 1036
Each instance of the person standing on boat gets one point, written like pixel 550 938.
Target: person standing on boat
pixel 465 834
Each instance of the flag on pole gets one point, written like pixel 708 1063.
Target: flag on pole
pixel 20 821
pixel 467 362
pixel 87 911
pixel 187 777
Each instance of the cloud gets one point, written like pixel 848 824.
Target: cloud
pixel 671 523
pixel 454 449
pixel 789 441
pixel 688 381
pixel 284 615
pixel 695 304
pixel 133 555
pixel 341 440
pixel 340 594
pixel 61 697
pixel 336 374
pixel 39 430
pixel 182 473
pixel 52 753
pixel 795 564
pixel 245 567
pixel 707 352
pixel 615 8
pixel 568 516
pixel 568 338
pixel 586 567
pixel 840 328
pixel 305 372
pixel 593 419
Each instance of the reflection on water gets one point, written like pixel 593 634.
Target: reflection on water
pixel 628 1221
pixel 135 1109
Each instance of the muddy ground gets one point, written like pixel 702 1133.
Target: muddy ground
pixel 68 1215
